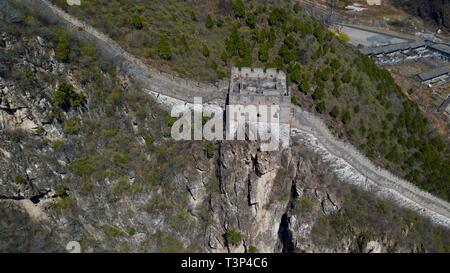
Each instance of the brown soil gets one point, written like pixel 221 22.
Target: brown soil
pixel 421 94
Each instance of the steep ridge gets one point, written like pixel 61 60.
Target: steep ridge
pixel 433 10
pixel 167 87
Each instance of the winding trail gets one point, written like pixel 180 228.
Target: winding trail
pixel 307 129
pixel 352 166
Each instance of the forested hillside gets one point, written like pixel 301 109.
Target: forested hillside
pixel 87 156
pixel 437 11
pixel 361 102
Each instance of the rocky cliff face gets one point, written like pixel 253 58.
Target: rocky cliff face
pixel 25 104
pixel 252 189
pixel 255 196
pixel 278 202
pixel 25 113
pixel 436 10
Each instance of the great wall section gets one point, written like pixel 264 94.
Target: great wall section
pixel 148 78
pixel 345 160
pixel 352 166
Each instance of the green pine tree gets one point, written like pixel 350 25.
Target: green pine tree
pixel 163 48
pixel 209 23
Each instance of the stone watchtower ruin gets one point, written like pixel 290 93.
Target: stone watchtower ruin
pixel 259 86
pixel 262 87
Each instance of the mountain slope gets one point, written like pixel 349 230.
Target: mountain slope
pixel 434 10
pixel 105 172
pixel 360 102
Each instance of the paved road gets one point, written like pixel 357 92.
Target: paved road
pixel 369 38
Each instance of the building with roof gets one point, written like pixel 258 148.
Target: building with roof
pixel 388 49
pixel 439 73
pixel 397 53
pixel 442 49
pixel 445 108
pixel 446 105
